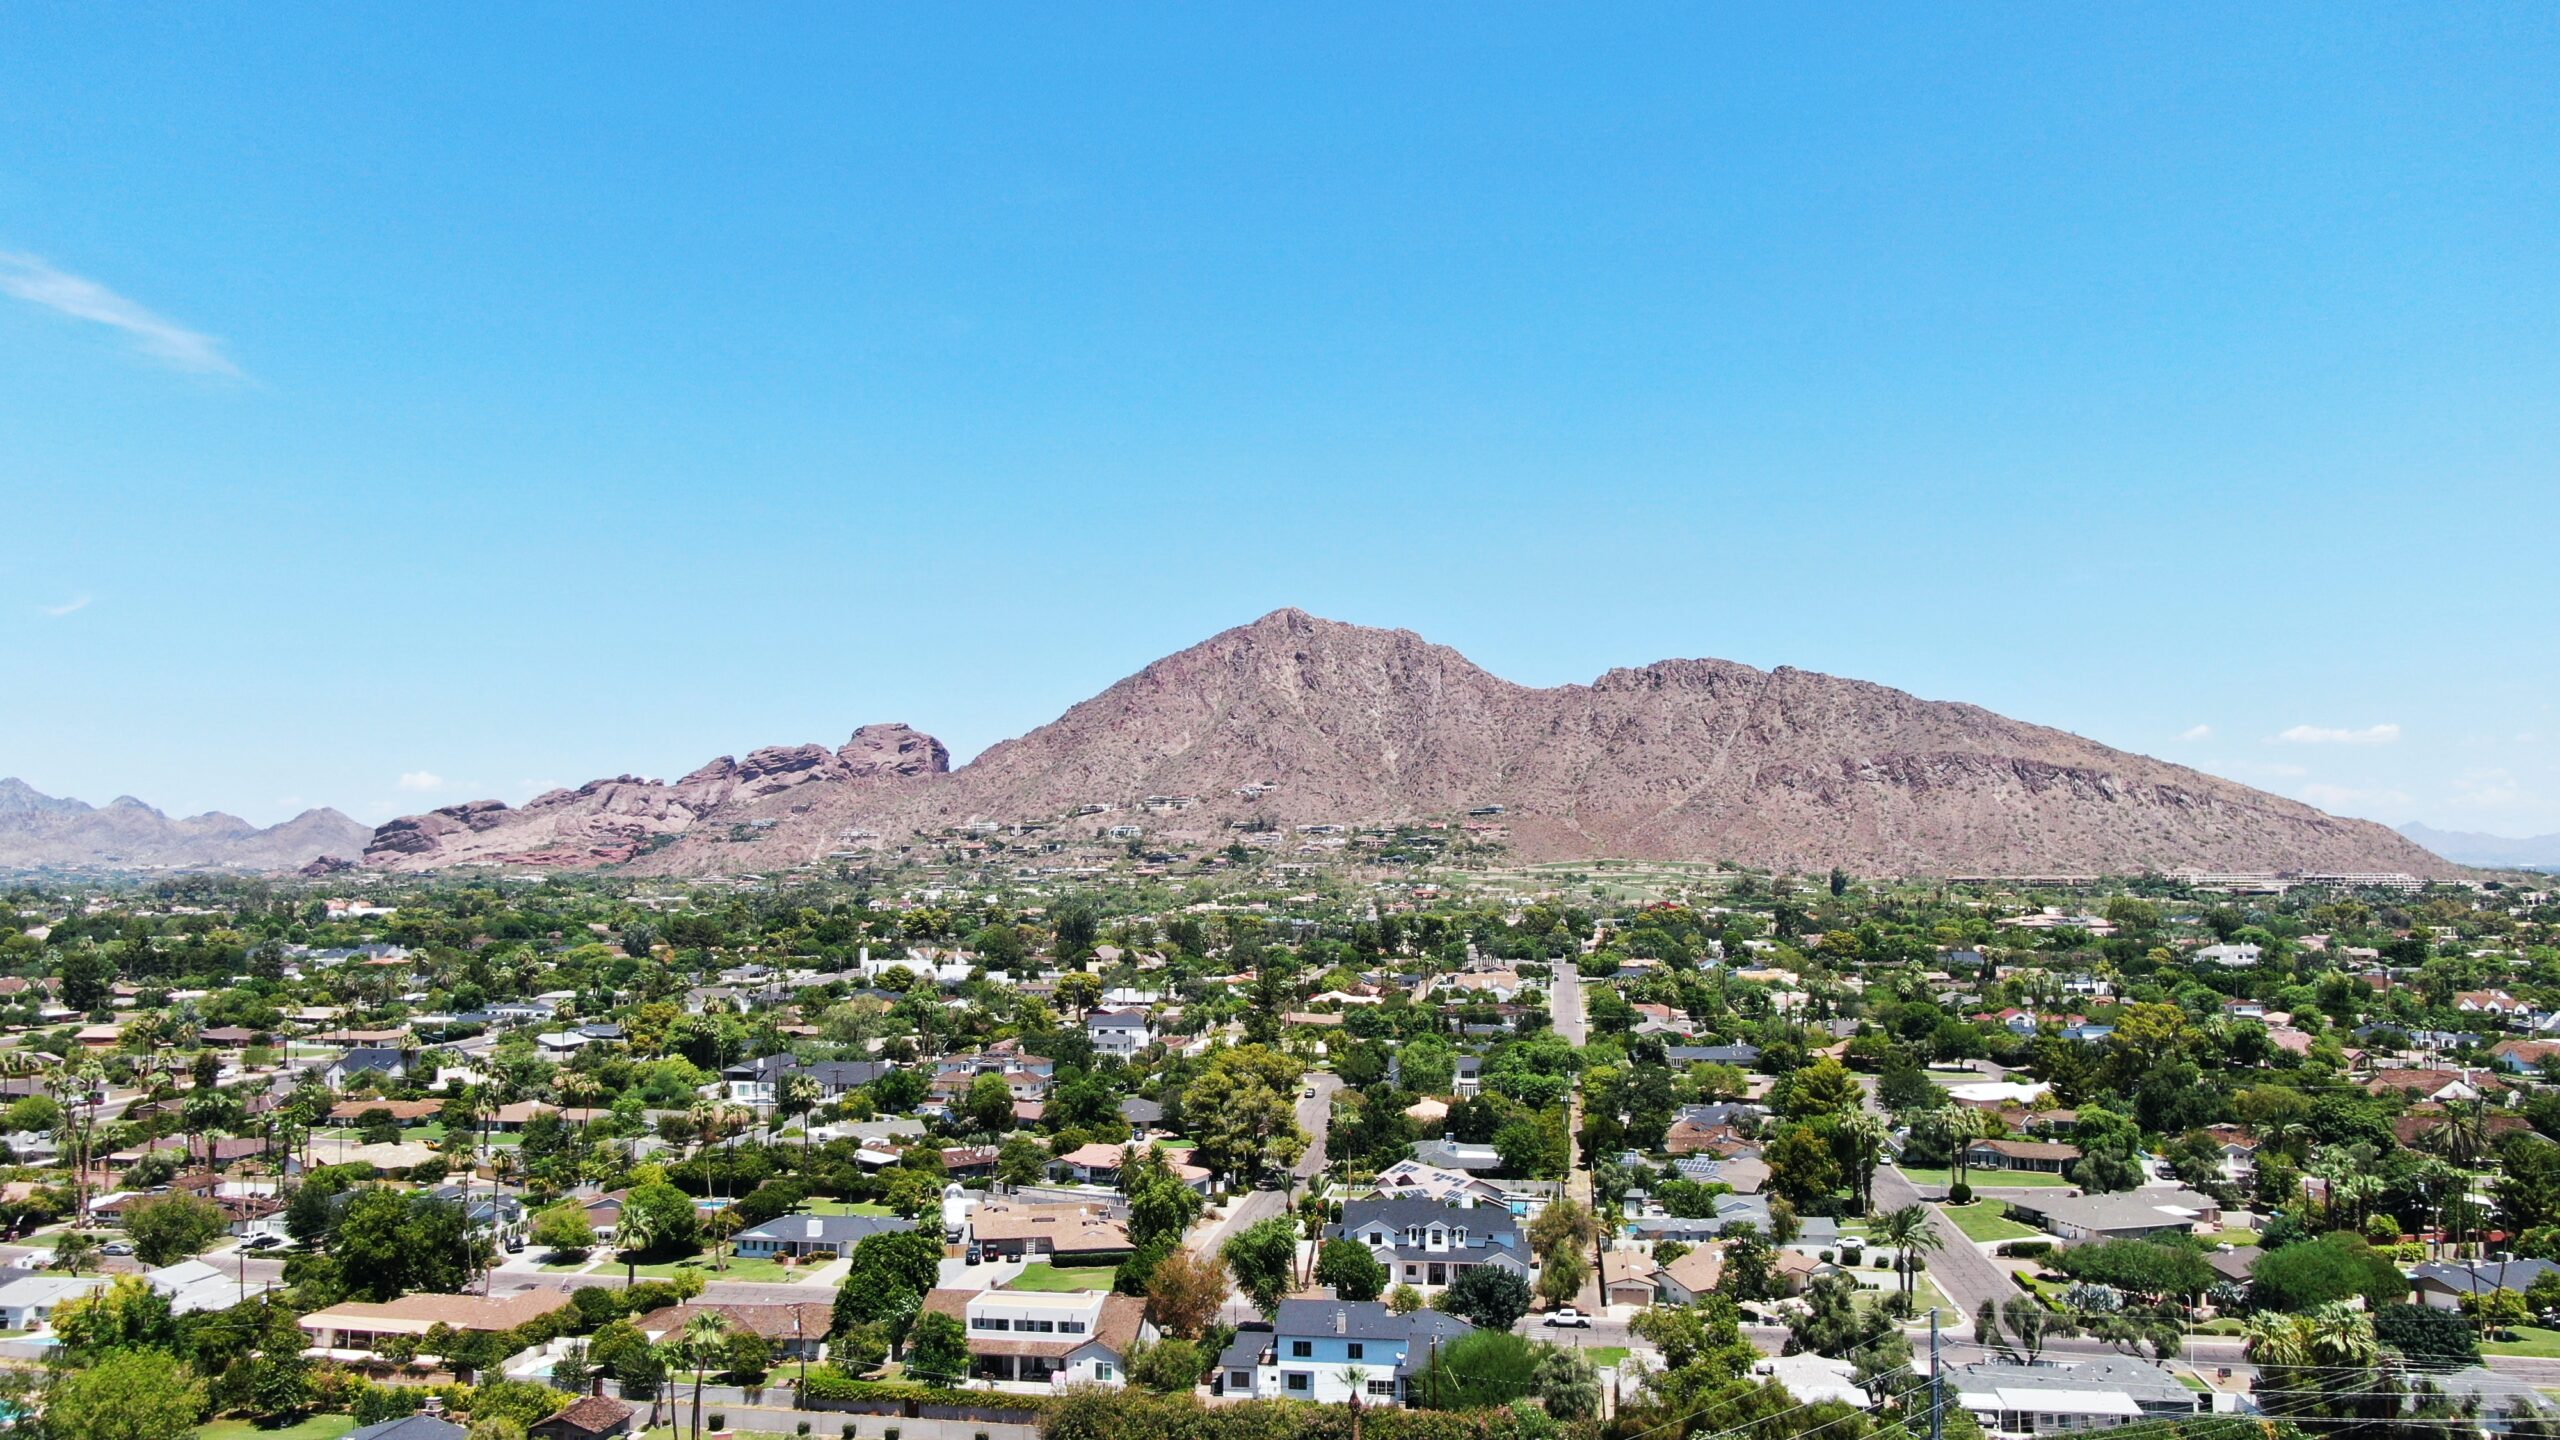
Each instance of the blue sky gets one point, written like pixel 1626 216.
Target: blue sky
pixel 404 405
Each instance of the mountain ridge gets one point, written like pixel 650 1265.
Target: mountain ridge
pixel 40 831
pixel 2476 847
pixel 1293 720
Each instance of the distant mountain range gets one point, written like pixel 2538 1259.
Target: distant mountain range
pixel 1293 721
pixel 40 831
pixel 2471 847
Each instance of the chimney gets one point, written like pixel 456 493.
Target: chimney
pixel 1341 1321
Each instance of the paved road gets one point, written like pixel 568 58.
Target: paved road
pixel 1315 1114
pixel 1565 1004
pixel 1968 1276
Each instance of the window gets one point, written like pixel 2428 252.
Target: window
pixel 1301 1349
pixel 1301 1381
pixel 1382 1387
pixel 1357 1349
pixel 1070 1327
pixel 1101 1369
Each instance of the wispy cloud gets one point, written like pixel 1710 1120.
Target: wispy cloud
pixel 2347 797
pixel 28 278
pixel 2487 790
pixel 2333 735
pixel 2196 732
pixel 72 606
pixel 421 780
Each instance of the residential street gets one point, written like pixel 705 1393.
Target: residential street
pixel 1968 1276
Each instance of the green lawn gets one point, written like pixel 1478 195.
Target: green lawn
pixel 1986 1179
pixel 849 1207
pixel 2192 1382
pixel 2232 1237
pixel 1606 1356
pixel 2530 1340
pixel 318 1427
pixel 1988 1220
pixel 1041 1275
pixel 759 1270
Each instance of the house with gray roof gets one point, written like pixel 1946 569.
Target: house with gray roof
pixel 801 1236
pixel 1329 1351
pixel 1426 1243
pixel 2078 1392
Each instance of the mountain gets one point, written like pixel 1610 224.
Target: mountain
pixel 45 832
pixel 1300 721
pixel 2471 847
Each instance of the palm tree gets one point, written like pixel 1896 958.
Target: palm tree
pixel 1911 1234
pixel 634 1232
pixel 1964 1126
pixel 1866 1133
pixel 798 1094
pixel 704 1337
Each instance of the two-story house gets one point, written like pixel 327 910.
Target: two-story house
pixel 1068 1337
pixel 1122 1033
pixel 1424 1243
pixel 1331 1350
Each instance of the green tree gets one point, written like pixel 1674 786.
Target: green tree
pixel 988 1105
pixel 2302 1277
pixel 128 1395
pixel 1351 1270
pixel 565 1229
pixel 168 1230
pixel 1479 1371
pixel 938 1349
pixel 1488 1297
pixel 886 1281
pixel 1263 1257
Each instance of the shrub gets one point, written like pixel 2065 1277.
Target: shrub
pixel 1960 1193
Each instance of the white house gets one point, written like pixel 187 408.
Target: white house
pixel 29 1304
pixel 1074 1337
pixel 1122 1033
pixel 1329 1351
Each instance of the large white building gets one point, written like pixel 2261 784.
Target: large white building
pixel 1075 1337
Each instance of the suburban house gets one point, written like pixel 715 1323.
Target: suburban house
pixel 758 1082
pixel 29 1303
pixel 381 1064
pixel 1423 1243
pixel 2039 1155
pixel 1121 1033
pixel 1683 1280
pixel 1332 1350
pixel 1046 1337
pixel 589 1417
pixel 798 1330
pixel 2095 1392
pixel 802 1236
pixel 349 1331
pixel 2128 1215
pixel 2443 1284
pixel 1003 1229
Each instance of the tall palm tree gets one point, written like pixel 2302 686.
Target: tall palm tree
pixel 634 1233
pixel 1866 1134
pixel 705 1336
pixel 1911 1234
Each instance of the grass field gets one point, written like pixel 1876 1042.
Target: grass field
pixel 1606 1356
pixel 768 1272
pixel 1988 1220
pixel 1988 1179
pixel 2232 1237
pixel 849 1207
pixel 317 1427
pixel 2531 1340
pixel 1041 1275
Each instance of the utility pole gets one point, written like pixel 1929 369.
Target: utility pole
pixel 1937 1385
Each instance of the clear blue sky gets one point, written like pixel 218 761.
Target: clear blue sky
pixel 502 396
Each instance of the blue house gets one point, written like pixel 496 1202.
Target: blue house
pixel 1331 1350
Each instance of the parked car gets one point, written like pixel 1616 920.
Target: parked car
pixel 261 1242
pixel 116 1247
pixel 1570 1318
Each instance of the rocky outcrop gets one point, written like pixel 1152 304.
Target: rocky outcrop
pixel 611 822
pixel 1299 721
pixel 46 832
